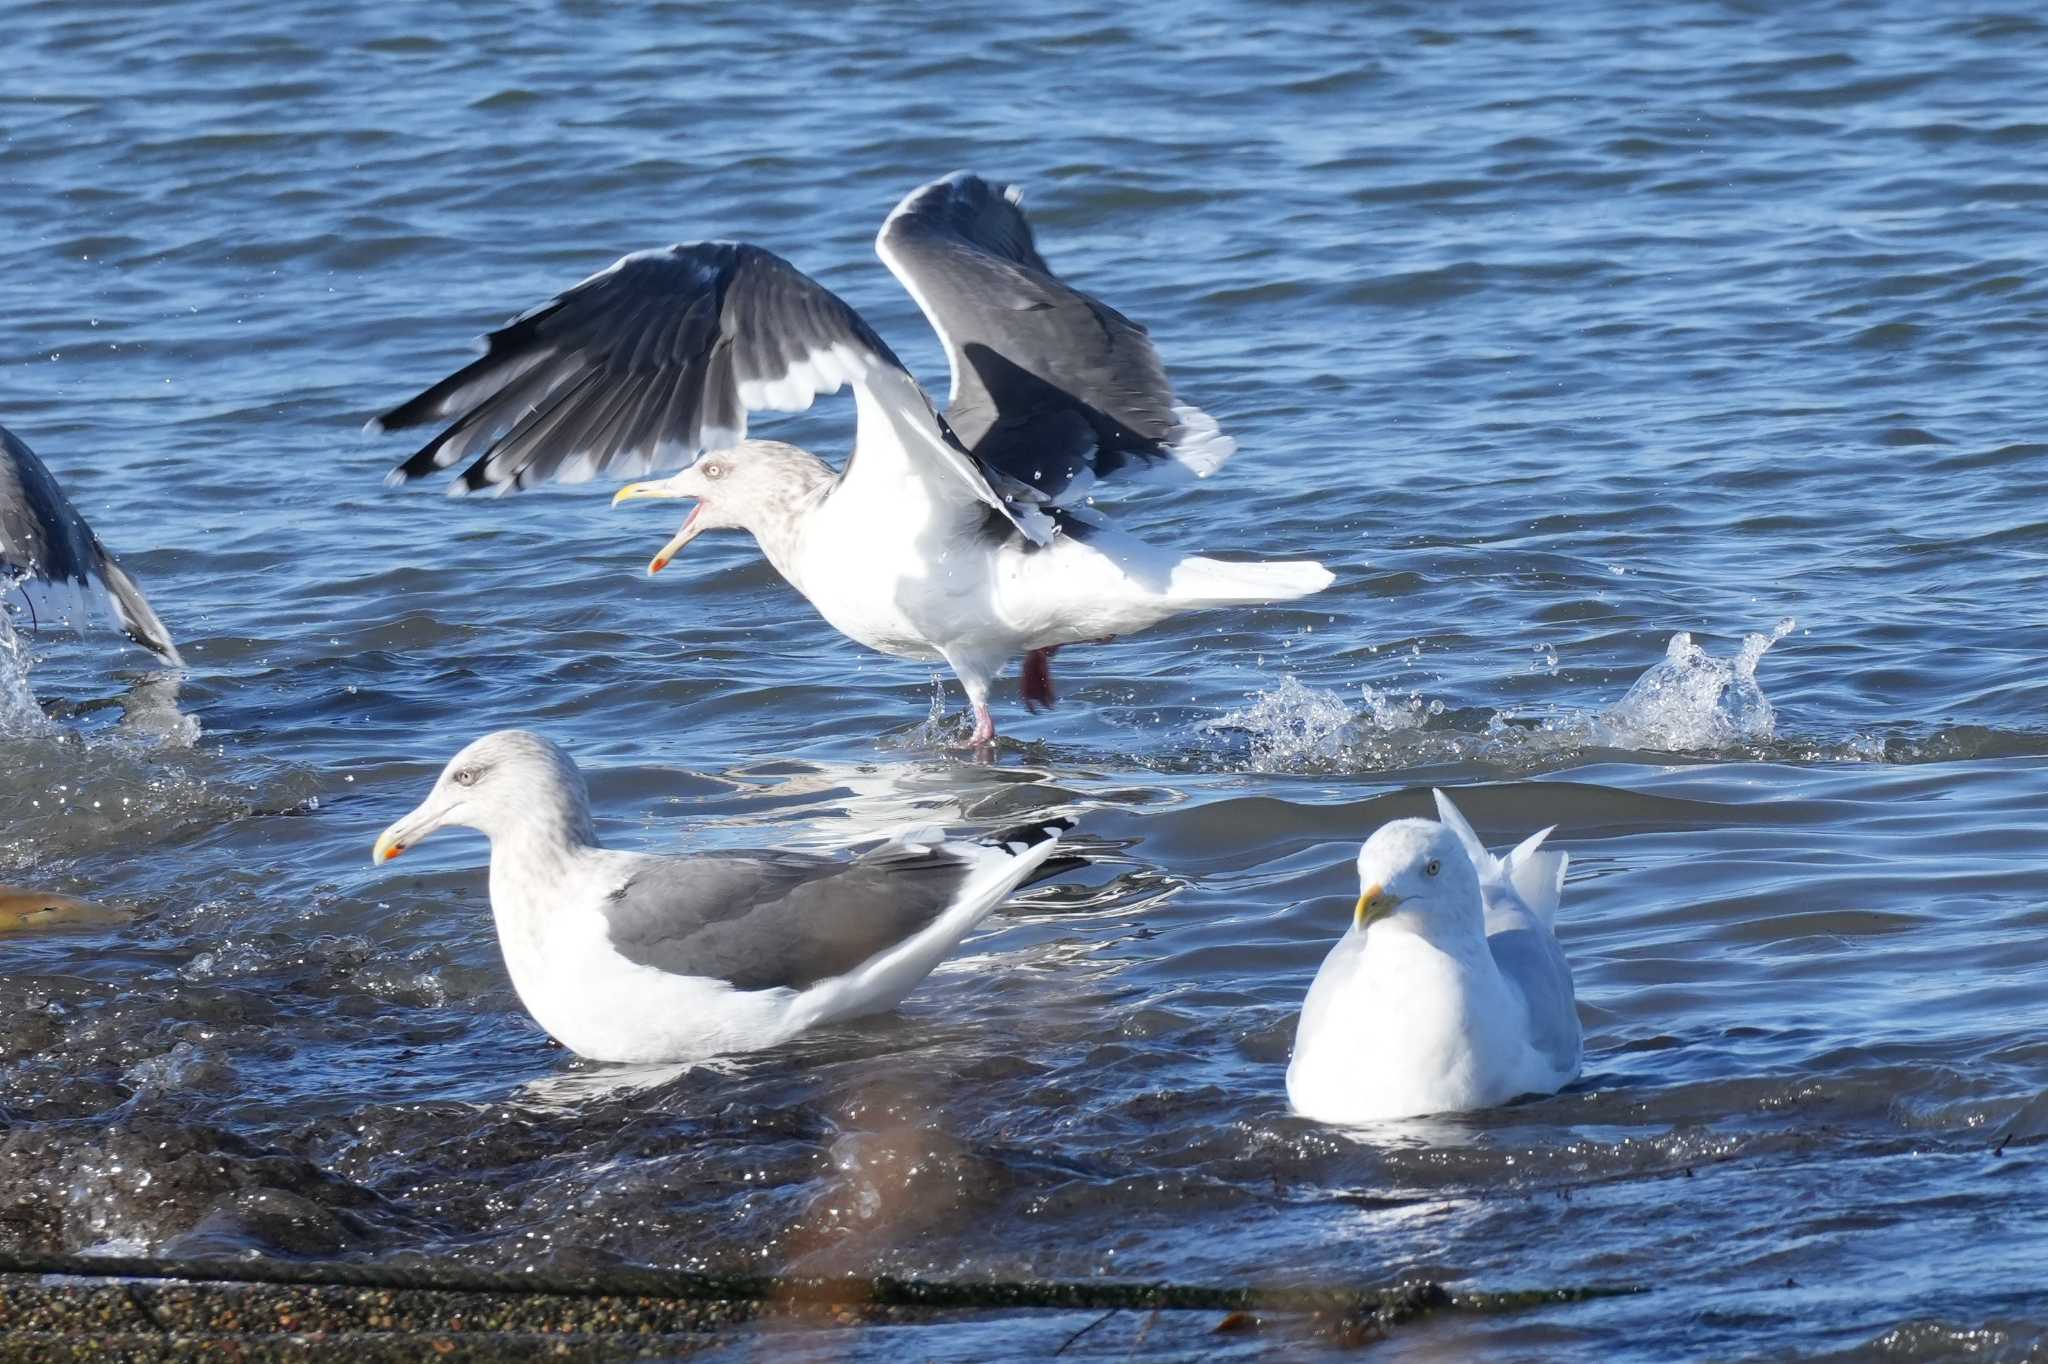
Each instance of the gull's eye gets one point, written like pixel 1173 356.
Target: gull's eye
pixel 714 471
pixel 1433 868
pixel 466 777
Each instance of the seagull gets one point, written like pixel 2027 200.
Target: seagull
pixel 642 958
pixel 963 538
pixel 1449 992
pixel 49 557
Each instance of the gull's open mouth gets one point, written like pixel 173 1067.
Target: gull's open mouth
pixel 686 533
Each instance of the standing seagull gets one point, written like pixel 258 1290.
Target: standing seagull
pixel 49 556
pixel 634 957
pixel 950 537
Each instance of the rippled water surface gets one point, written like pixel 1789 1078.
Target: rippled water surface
pixel 1555 337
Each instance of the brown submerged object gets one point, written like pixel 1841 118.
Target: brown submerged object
pixel 25 910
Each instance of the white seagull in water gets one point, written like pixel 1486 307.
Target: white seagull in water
pixel 49 557
pixel 641 958
pixel 953 537
pixel 1449 992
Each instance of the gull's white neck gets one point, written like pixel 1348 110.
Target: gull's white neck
pixel 538 855
pixel 781 537
pixel 1448 981
pixel 1462 943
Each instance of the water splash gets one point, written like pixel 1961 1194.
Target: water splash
pixel 1693 702
pixel 1688 702
pixel 1291 726
pixel 148 708
pixel 19 713
pixel 939 729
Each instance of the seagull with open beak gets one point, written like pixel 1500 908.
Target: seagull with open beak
pixel 760 486
pixel 941 581
pixel 970 537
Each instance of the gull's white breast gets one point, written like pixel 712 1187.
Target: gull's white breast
pixel 597 1003
pixel 902 578
pixel 1395 1027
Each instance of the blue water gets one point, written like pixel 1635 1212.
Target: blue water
pixel 1554 336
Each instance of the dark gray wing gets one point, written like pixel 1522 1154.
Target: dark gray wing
pixel 763 921
pixel 1051 388
pixel 43 539
pixel 786 920
pixel 648 363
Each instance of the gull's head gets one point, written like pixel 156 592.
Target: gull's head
pixel 503 781
pixel 1416 874
pixel 750 486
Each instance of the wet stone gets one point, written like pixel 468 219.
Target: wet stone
pixel 148 1181
pixel 272 1222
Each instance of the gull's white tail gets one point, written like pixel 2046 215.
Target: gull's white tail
pixel 1537 877
pixel 1200 582
pixel 999 865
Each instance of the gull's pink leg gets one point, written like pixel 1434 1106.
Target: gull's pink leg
pixel 984 728
pixel 974 672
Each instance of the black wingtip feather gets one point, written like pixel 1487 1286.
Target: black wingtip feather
pixel 425 406
pixel 417 410
pixel 980 211
pixel 1023 837
pixel 422 462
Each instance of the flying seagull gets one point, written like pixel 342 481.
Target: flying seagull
pixel 49 557
pixel 1449 991
pixel 960 537
pixel 636 957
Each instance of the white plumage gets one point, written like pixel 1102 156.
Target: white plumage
pixel 938 584
pixel 956 537
pixel 1449 992
pixel 640 958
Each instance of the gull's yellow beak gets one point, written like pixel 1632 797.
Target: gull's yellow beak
pixel 682 537
pixel 659 488
pixel 407 832
pixel 637 492
pixel 1375 903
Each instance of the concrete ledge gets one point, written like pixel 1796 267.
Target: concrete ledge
pixel 76 1308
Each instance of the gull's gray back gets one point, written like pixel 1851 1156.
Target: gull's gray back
pixel 769 920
